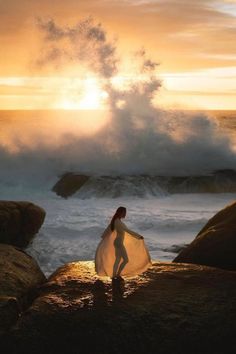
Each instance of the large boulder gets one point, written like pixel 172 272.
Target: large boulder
pixel 19 222
pixel 215 244
pixel 69 184
pixel 171 308
pixel 19 276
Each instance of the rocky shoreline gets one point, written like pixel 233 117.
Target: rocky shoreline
pixel 177 307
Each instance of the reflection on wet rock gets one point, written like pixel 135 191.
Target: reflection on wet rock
pixel 172 307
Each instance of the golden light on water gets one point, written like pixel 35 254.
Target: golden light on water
pixel 37 127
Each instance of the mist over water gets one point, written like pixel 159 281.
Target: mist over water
pixel 132 143
pixel 137 137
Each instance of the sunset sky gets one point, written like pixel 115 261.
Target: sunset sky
pixel 194 42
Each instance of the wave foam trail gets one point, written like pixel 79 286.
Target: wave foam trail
pixel 155 186
pixel 115 187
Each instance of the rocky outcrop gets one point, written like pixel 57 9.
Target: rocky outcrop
pixel 69 183
pixel 114 186
pixel 19 222
pixel 19 276
pixel 171 308
pixel 215 245
pixel 217 182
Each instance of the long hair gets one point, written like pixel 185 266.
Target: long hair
pixel 121 211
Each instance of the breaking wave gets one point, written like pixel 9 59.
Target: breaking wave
pixel 155 186
pixel 138 138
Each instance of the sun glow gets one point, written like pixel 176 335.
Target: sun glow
pixel 90 97
pixel 203 89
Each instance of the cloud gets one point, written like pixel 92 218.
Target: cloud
pixel 168 27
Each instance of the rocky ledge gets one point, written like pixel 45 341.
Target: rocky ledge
pixel 171 308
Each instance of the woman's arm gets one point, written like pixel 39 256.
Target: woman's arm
pixel 131 232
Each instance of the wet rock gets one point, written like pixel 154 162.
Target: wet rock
pixel 171 308
pixel 215 244
pixel 19 222
pixel 19 276
pixel 9 312
pixel 69 184
pixel 175 248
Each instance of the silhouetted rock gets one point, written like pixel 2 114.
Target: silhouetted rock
pixel 19 275
pixel 19 222
pixel 215 244
pixel 69 184
pixel 171 308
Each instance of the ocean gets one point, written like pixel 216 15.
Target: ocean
pixel 128 159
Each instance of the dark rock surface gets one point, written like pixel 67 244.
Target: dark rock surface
pixel 19 222
pixel 116 186
pixel 175 248
pixel 171 308
pixel 19 276
pixel 69 183
pixel 221 181
pixel 215 244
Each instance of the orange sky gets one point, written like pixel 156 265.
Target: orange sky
pixel 194 42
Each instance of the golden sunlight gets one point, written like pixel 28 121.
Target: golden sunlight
pixel 90 97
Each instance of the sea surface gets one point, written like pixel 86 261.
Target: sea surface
pixel 36 147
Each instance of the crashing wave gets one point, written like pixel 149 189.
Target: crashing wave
pixel 222 181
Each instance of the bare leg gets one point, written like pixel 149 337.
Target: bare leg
pixel 117 261
pixel 125 260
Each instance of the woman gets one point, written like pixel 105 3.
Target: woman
pixel 121 251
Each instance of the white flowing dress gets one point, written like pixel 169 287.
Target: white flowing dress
pixel 121 252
